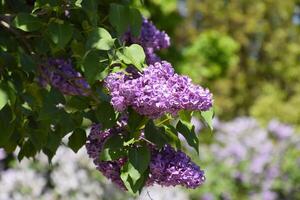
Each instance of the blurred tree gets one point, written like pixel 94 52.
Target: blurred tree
pixel 268 35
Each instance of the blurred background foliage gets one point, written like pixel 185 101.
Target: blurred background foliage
pixel 247 52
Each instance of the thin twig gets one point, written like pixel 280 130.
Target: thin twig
pixel 143 138
pixel 149 195
pixel 5 24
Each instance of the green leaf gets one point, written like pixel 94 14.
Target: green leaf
pixel 113 148
pixel 60 34
pixel 12 143
pixel 78 49
pixel 207 116
pixel 27 150
pixel 188 132
pixel 77 103
pixel 100 39
pixel 136 21
pixel 155 134
pixel 134 54
pixel 27 63
pixel 132 187
pixel 3 98
pixel 172 136
pixel 135 121
pixel 119 18
pixel 92 66
pixel 123 17
pixel 112 154
pixel 105 114
pixel 53 141
pixel 38 138
pixel 91 9
pixel 6 125
pixel 185 115
pixel 27 22
pixel 66 122
pixel 139 158
pixel 50 109
pixel 114 142
pixel 77 139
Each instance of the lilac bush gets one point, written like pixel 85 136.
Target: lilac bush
pixel 71 73
pixel 280 130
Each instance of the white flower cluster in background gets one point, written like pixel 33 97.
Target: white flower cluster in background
pixel 69 176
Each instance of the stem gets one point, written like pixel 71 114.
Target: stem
pixel 163 121
pixel 142 138
pixel 4 22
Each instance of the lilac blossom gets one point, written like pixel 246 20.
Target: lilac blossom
pixel 168 167
pixel 60 74
pixel 151 39
pixel 280 130
pixel 158 90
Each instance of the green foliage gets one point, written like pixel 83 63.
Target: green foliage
pixel 93 66
pixel 77 139
pixel 124 18
pixel 60 33
pixel 6 124
pixel 113 148
pixel 154 134
pixel 134 54
pixel 27 22
pixel 106 115
pixel 213 53
pixel 188 131
pixel 3 98
pixel 100 38
pixel 208 117
pixel 135 172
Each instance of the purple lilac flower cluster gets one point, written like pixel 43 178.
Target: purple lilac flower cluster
pixel 61 75
pixel 167 166
pixel 151 39
pixel 170 168
pixel 157 91
pixel 280 130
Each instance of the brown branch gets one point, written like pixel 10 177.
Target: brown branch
pixel 5 23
